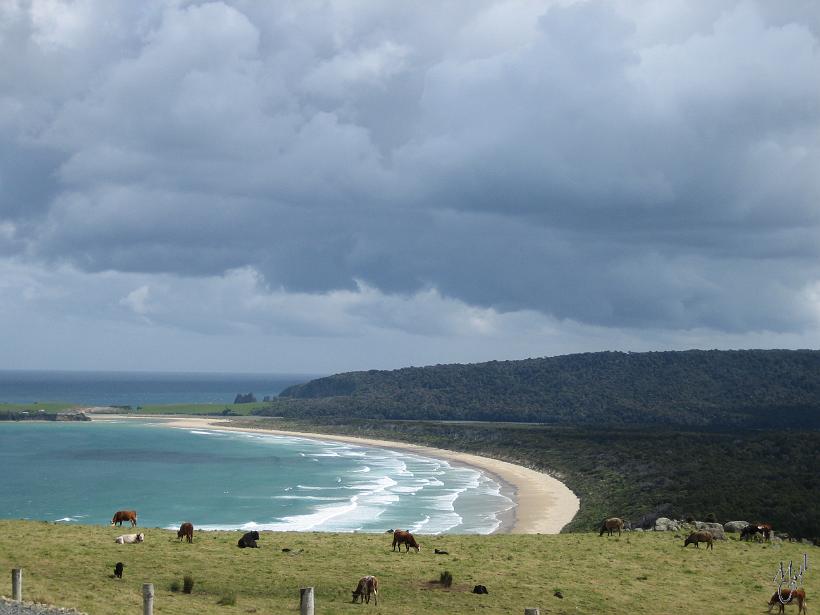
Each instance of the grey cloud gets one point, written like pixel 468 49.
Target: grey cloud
pixel 606 163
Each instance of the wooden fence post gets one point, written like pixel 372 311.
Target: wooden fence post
pixel 17 584
pixel 306 601
pixel 147 599
pixel 532 612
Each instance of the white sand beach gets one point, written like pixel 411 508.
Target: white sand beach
pixel 543 504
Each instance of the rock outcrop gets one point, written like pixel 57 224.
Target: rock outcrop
pixel 734 526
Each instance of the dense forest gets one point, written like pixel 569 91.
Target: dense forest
pixel 741 388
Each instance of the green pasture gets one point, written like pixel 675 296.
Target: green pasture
pixel 639 573
pixel 201 409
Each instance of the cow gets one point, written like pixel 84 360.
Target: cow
pixel 249 540
pixel 789 596
pixel 118 569
pixel 403 537
pixel 129 539
pixel 186 530
pixel 761 529
pixel 368 585
pixel 698 537
pixel 612 524
pixel 125 515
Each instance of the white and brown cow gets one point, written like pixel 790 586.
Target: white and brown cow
pixel 129 539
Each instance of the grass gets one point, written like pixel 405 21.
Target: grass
pixel 200 409
pixel 638 573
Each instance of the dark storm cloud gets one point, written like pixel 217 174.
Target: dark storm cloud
pixel 606 163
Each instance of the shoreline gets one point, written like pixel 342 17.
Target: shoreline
pixel 541 504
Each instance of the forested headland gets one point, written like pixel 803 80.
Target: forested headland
pixel 741 388
pixel 731 433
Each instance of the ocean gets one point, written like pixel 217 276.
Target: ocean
pixel 83 472
pixel 137 388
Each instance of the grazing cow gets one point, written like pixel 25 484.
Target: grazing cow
pixel 186 530
pixel 249 540
pixel 129 539
pixel 403 537
pixel 789 596
pixel 612 524
pixel 762 529
pixel 749 531
pixel 118 569
pixel 125 515
pixel 698 537
pixel 367 586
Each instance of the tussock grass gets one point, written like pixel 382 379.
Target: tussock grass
pixel 638 573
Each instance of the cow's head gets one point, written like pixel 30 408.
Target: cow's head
pixel 140 537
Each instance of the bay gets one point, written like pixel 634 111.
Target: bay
pixel 83 472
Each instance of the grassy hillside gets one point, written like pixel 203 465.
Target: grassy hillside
pixel 743 388
pixel 637 573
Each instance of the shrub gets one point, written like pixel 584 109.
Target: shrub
pixel 174 586
pixel 227 599
pixel 446 579
pixel 711 518
pixel 188 584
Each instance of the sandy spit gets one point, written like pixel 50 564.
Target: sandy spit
pixel 543 504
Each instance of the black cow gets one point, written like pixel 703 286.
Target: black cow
pixel 118 569
pixel 249 540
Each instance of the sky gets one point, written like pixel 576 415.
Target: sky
pixel 314 187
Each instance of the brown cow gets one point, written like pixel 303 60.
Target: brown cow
pixel 367 586
pixel 789 596
pixel 125 515
pixel 698 537
pixel 403 537
pixel 612 524
pixel 186 530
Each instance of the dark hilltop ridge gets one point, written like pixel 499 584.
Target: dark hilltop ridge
pixel 751 389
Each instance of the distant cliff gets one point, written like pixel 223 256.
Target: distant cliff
pixel 746 388
pixel 41 415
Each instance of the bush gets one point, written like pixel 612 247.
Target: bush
pixel 227 599
pixel 188 584
pixel 711 518
pixel 174 586
pixel 446 579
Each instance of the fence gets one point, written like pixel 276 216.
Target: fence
pixel 306 601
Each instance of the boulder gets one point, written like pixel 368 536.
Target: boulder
pixel 715 529
pixel 735 526
pixel 662 524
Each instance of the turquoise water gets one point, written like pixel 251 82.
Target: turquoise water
pixel 83 472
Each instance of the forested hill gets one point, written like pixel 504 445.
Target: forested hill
pixel 750 388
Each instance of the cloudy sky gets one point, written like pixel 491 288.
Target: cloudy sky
pixel 324 186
